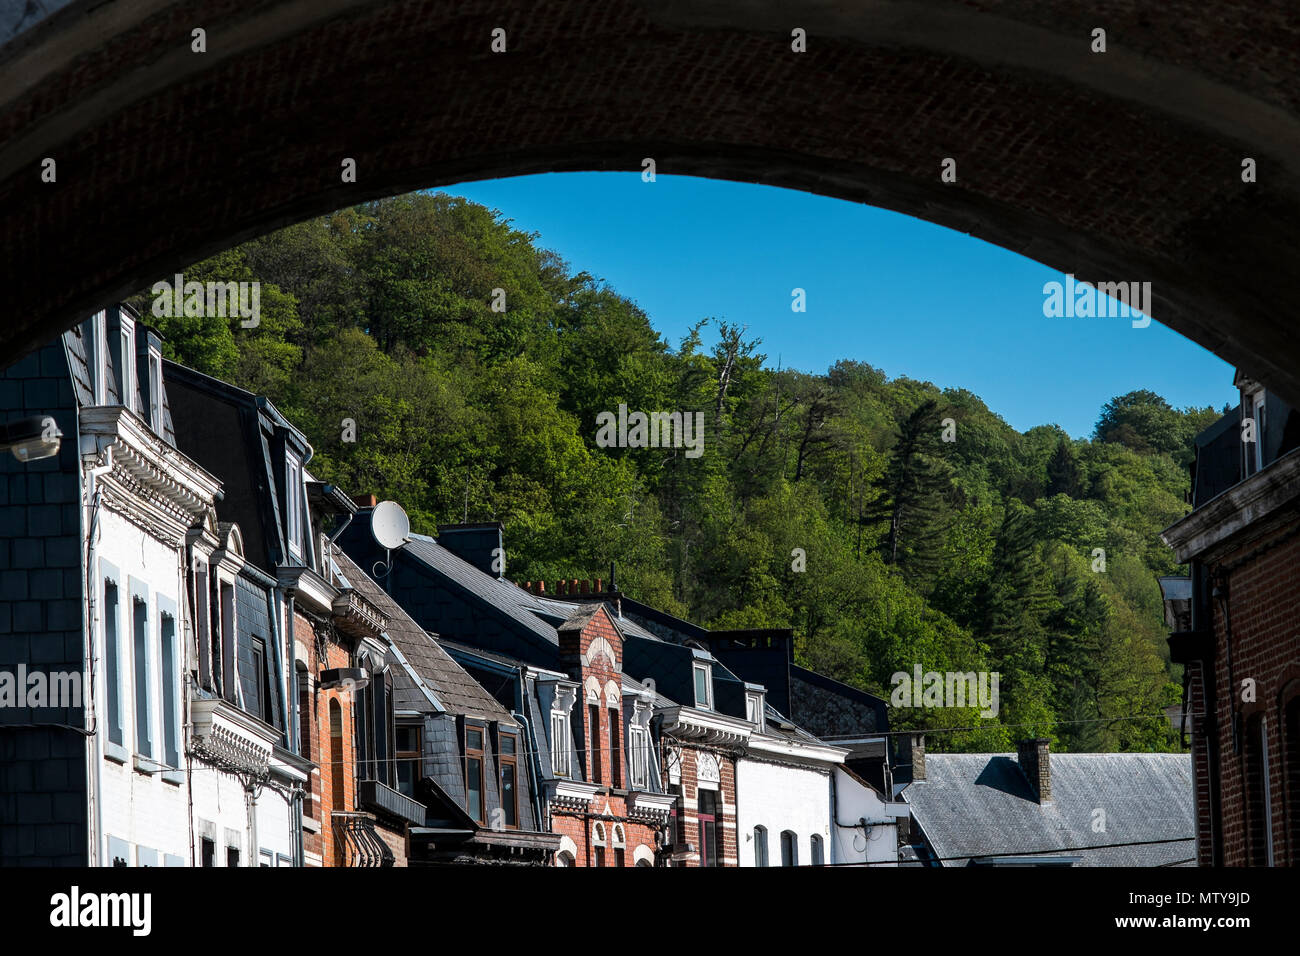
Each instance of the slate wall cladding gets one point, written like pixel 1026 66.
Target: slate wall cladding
pixel 254 617
pixel 42 770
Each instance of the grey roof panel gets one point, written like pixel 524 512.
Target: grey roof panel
pixel 972 805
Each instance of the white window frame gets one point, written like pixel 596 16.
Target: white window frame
pixel 754 711
pixel 638 745
pixel 126 385
pixel 560 743
pixel 110 575
pixel 293 495
pixel 99 356
pixel 169 684
pixel 707 703
pixel 155 391
pixel 145 737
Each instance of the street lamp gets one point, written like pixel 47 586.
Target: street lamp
pixel 31 439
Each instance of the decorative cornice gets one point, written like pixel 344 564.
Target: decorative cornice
pixel 700 726
pixel 652 807
pixel 573 794
pixel 356 616
pixel 231 738
pixel 1246 503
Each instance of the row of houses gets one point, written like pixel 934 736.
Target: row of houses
pixel 269 678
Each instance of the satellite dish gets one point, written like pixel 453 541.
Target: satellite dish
pixel 390 525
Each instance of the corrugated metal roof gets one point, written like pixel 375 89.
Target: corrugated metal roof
pixel 973 805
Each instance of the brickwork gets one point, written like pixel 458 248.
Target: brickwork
pixel 1263 606
pixel 328 752
pixel 688 814
pixel 856 116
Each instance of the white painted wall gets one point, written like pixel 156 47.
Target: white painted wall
pixel 141 809
pixel 874 844
pixel 782 797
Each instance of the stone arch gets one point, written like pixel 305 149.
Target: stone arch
pixel 1163 201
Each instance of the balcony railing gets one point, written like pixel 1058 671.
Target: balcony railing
pixel 358 843
pixel 379 796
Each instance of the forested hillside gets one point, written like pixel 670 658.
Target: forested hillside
pixel 971 554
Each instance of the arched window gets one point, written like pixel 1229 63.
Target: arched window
pixel 620 844
pixel 598 843
pixel 817 856
pixel 1259 835
pixel 1291 749
pixel 760 846
pixel 789 848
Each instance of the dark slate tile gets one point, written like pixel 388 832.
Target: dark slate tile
pixel 28 553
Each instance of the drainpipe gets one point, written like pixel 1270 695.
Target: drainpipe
pixel 94 741
pixel 536 765
pixel 291 717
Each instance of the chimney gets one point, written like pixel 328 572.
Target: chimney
pixel 918 757
pixel 478 544
pixel 365 501
pixel 1035 763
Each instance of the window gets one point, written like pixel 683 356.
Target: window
pixel 225 651
pixel 474 803
pixel 232 856
pixel 338 785
pixel 155 391
pixel 615 775
pixel 760 846
pixel 710 831
pixel 265 858
pixel 209 853
pixel 203 625
pixel 1253 452
pixel 754 711
pixel 99 356
pixel 408 754
pixel 789 848
pixel 171 685
pixel 113 669
pixel 598 843
pixel 262 705
pixel 703 687
pixel 293 505
pixel 1291 750
pixel 620 845
pixel 126 385
pixel 639 753
pixel 560 743
pixel 816 841
pixel 1258 793
pixel 593 738
pixel 143 720
pixel 508 746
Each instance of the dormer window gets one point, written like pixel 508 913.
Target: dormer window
pixel 1253 407
pixel 703 686
pixel 155 391
pixel 126 367
pixel 293 505
pixel 754 710
pixel 98 357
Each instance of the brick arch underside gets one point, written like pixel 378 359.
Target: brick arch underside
pixel 165 156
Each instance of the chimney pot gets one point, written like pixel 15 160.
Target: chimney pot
pixel 541 588
pixel 586 587
pixel 600 586
pixel 365 501
pixel 918 757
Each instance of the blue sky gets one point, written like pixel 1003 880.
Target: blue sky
pixel 906 296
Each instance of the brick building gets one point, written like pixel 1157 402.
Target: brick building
pixel 1234 621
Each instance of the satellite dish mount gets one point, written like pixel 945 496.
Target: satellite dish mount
pixel 392 530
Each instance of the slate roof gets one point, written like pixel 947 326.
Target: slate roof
pixel 540 616
pixel 971 805
pixel 455 690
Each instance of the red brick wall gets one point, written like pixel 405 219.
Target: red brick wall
pixel 579 827
pixel 323 751
pixel 1263 613
pixel 688 815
